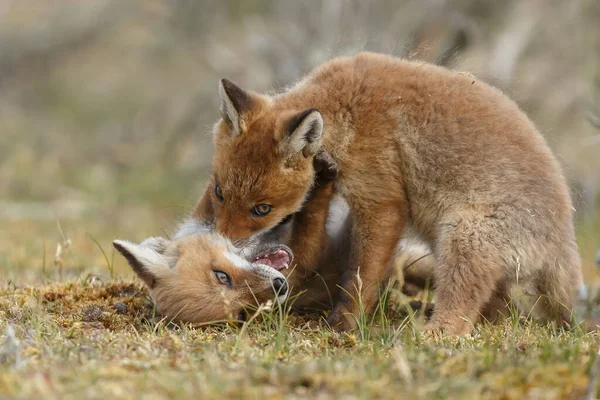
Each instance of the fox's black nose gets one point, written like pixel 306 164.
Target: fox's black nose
pixel 280 286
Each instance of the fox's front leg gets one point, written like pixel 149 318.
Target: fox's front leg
pixel 376 231
pixel 309 237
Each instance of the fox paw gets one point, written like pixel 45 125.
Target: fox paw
pixel 313 325
pixel 341 320
pixel 433 329
pixel 417 306
pixel 325 167
pixel 438 329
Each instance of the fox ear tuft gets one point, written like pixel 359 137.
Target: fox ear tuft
pixel 144 259
pixel 235 101
pixel 304 132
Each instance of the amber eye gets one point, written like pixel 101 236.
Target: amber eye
pixel 219 193
pixel 261 210
pixel 223 278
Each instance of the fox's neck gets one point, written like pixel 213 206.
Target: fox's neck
pixel 351 101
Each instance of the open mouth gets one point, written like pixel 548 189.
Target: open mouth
pixel 277 257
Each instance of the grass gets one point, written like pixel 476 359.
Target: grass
pixel 98 134
pixel 68 340
pixel 75 324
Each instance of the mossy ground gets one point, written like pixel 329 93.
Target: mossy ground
pixel 105 114
pixel 69 330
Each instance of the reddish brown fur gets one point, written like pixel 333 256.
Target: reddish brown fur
pixel 307 236
pixel 180 273
pixel 261 181
pixel 420 146
pixel 184 286
pixel 192 290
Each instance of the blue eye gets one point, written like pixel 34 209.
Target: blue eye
pixel 219 193
pixel 223 278
pixel 261 210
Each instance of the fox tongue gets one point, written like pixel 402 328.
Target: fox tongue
pixel 278 260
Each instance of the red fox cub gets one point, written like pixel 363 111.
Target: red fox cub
pixel 418 147
pixel 198 278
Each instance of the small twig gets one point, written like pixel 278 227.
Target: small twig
pixel 417 260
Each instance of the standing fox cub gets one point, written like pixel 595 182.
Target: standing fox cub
pixel 419 148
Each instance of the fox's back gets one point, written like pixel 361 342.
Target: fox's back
pixel 449 137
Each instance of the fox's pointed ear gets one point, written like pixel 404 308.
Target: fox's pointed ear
pixel 144 259
pixel 304 132
pixel 235 101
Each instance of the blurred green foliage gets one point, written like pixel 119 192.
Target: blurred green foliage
pixel 113 101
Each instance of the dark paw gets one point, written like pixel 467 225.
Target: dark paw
pixel 410 289
pixel 340 320
pixel 325 167
pixel 417 306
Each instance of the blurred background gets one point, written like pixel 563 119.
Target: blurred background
pixel 106 105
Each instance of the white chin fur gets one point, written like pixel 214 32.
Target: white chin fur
pixel 238 261
pixel 267 272
pixel 270 274
pixel 191 226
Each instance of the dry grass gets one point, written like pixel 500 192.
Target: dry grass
pixel 97 337
pixel 104 114
pixel 70 341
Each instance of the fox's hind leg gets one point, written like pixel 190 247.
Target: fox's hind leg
pixel 499 306
pixel 468 270
pixel 557 288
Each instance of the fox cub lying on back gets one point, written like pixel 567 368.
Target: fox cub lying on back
pixel 201 278
pixel 198 278
pixel 419 148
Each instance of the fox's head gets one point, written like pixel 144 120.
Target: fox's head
pixel 263 162
pixel 199 279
